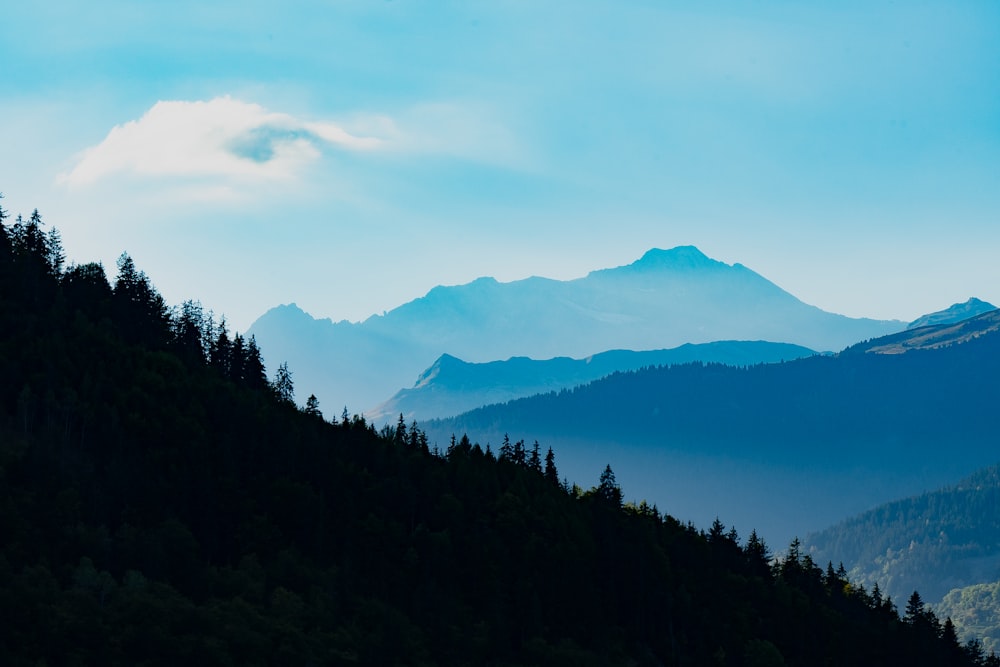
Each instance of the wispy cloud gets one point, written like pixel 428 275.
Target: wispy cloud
pixel 218 139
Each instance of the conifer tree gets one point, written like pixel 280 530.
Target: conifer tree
pixel 254 374
pixel 520 454
pixel 608 488
pixel 54 251
pixel 220 354
pixel 312 406
pixel 506 449
pixel 399 436
pixel 140 310
pixel 535 459
pixel 550 473
pixel 757 555
pixel 283 387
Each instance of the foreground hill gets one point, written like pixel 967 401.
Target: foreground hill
pixel 452 386
pixel 162 504
pixel 665 299
pixel 792 444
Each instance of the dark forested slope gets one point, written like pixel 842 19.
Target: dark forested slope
pixel 162 503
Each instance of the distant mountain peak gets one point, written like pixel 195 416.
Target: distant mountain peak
pixel 680 257
pixel 954 313
pixel 441 364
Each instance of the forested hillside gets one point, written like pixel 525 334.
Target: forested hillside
pixel 937 541
pixel 162 503
pixel 947 543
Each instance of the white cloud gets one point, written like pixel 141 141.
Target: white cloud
pixel 222 138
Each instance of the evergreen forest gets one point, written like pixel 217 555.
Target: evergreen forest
pixel 162 502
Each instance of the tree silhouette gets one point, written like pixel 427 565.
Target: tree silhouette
pixel 608 489
pixel 283 387
pixel 312 406
pixel 550 473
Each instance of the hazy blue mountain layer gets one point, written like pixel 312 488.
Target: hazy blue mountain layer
pixel 785 448
pixel 452 386
pixel 665 299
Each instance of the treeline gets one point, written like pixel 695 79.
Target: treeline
pixel 161 502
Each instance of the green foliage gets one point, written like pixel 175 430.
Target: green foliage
pixel 975 612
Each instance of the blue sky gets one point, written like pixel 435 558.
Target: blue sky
pixel 349 156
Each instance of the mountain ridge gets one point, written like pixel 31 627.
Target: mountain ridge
pixel 451 386
pixel 665 299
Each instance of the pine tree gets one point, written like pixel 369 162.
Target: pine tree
pixel 550 473
pixel 220 354
pixel 254 374
pixel 283 387
pixel 520 454
pixel 914 608
pixel 717 532
pixel 535 459
pixel 312 406
pixel 506 449
pixel 54 251
pixel 608 488
pixel 140 311
pixel 399 436
pixel 757 555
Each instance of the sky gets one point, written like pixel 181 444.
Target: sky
pixel 350 155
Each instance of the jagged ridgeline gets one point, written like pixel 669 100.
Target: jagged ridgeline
pixel 162 503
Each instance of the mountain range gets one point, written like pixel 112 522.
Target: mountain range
pixel 664 299
pixel 452 386
pixel 783 448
